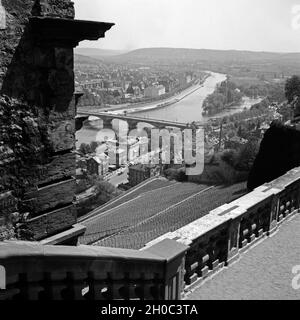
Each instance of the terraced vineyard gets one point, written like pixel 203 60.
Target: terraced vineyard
pixel 176 217
pixel 154 213
pixel 133 193
pixel 136 210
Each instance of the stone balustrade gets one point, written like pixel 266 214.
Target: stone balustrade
pixel 32 271
pixel 158 271
pixel 218 238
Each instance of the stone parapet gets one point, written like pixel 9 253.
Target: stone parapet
pixel 37 272
pixel 218 238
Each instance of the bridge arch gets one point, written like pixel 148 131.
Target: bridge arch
pixel 105 134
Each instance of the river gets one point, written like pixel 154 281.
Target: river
pixel 186 110
pixel 189 108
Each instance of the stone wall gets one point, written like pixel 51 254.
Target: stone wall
pixel 27 71
pixel 37 138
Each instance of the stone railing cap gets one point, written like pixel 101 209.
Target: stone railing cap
pixel 164 251
pixel 167 249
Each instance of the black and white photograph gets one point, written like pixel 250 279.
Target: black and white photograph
pixel 149 150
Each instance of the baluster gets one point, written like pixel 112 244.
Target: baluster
pixel 233 243
pixel 253 226
pixel 108 291
pixel 124 290
pixel 191 265
pixel 155 289
pixel 58 285
pixel 23 286
pixel 205 262
pixel 215 253
pixel 68 293
pixel 140 288
pixel 90 295
pixel 34 287
pixel 46 284
pixel 78 284
pixel 281 209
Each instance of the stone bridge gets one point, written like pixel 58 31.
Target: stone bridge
pixel 132 121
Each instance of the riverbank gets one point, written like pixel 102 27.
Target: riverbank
pixel 169 103
pixel 188 106
pixel 135 107
pixel 160 103
pixel 246 104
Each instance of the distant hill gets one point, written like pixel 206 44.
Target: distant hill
pixel 234 62
pixel 206 55
pixel 81 59
pixel 98 53
pixel 180 54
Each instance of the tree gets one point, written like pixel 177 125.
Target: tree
pixel 105 191
pixel 93 146
pixel 230 157
pixel 292 88
pixel 85 148
pixel 130 90
pixel 81 185
pixel 116 93
pixel 247 155
pixel 285 110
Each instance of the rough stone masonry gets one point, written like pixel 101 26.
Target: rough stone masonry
pixel 37 112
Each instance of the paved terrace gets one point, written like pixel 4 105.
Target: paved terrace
pixel 146 214
pixel 264 272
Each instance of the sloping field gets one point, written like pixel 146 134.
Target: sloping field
pixel 186 211
pixel 136 210
pixel 156 212
pixel 131 194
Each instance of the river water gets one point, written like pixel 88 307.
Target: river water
pixel 187 110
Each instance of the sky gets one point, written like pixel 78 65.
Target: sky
pixel 256 25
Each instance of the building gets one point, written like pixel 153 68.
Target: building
pixel 168 84
pixel 117 153
pixel 133 148
pixel 137 90
pixel 98 165
pixel 140 172
pixel 189 77
pixel 154 91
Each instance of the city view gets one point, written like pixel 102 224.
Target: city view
pixel 153 156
